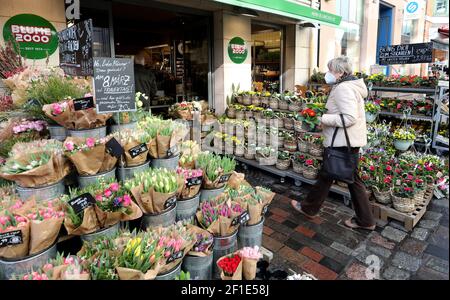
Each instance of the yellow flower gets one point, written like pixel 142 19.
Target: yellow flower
pixel 137 252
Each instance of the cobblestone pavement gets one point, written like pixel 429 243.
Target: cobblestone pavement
pixel 327 249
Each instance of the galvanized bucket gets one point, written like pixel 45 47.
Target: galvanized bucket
pixel 115 128
pixel 124 173
pixel 97 133
pixel 210 194
pixel 57 132
pixel 43 193
pixel 84 181
pixel 187 208
pixel 104 232
pixel 200 268
pixel 223 246
pixel 251 235
pixel 171 275
pixel 167 163
pixel 17 267
pixel 164 219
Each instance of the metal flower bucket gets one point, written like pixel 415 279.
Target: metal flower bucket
pixel 124 173
pixel 210 194
pixel 187 208
pixel 116 128
pixel 199 267
pixel 171 275
pixel 99 132
pixel 18 267
pixel 251 235
pixel 223 245
pixel 42 193
pixel 91 179
pixel 167 163
pixel 57 132
pixel 104 232
pixel 166 218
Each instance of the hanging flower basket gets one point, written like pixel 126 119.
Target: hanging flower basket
pixel 247 100
pixel 265 101
pixel 248 114
pixel 268 161
pixel 405 205
pixel 295 106
pixel 403 145
pixel 370 117
pixel 239 115
pixel 419 196
pixel 239 99
pixel 250 156
pixel 290 146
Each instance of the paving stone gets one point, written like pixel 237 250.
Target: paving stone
pixel 332 264
pixel 428 274
pixel 406 262
pixel 329 204
pixel 393 273
pixel 290 224
pixel 319 271
pixel 278 227
pixel 305 231
pixel 413 247
pixel 343 217
pixel 356 272
pixel 444 221
pixel 341 248
pixel 440 237
pixel 440 206
pixel 393 234
pixel 345 209
pixel 380 251
pixel 437 251
pixel 328 210
pixel 329 217
pixel 277 218
pixel 317 220
pixel 279 212
pixel 432 215
pixel 437 264
pixel 271 244
pixel 323 239
pixel 381 223
pixel 397 225
pixel 267 230
pixel 293 256
pixel 314 255
pixel 377 239
pixel 293 244
pixel 420 233
pixel 280 237
pixel 428 224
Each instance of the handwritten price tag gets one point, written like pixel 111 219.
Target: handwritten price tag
pixel 137 150
pixel 170 202
pixel 11 238
pixel 82 202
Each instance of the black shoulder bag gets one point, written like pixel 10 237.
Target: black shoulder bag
pixel 337 164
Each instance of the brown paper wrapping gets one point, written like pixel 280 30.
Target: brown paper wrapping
pixel 62 119
pixel 184 114
pixel 138 160
pixel 20 250
pixel 185 192
pixel 220 227
pixel 236 180
pixel 131 274
pixel 197 230
pixel 209 185
pixel 159 200
pixel 107 219
pixel 163 144
pixel 89 225
pixel 153 148
pixel 53 171
pixel 151 202
pixel 44 233
pixel 255 212
pixel 26 207
pixel 249 268
pixel 236 276
pixel 168 267
pixel 187 165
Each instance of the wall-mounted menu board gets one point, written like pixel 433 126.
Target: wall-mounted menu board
pixel 114 84
pixel 406 54
pixel 75 49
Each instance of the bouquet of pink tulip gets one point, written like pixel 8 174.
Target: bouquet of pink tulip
pixel 14 235
pixel 192 182
pixel 89 155
pixel 250 257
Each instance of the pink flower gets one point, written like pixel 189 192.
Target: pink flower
pixel 60 214
pixel 3 220
pixel 69 146
pixel 388 168
pixel 90 142
pixel 68 261
pixel 20 219
pixel 372 168
pixel 126 200
pixel 57 109
pixel 47 267
pixel 99 198
pixel 114 187
pixel 107 193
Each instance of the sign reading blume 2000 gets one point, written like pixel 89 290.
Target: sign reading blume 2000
pixel 237 50
pixel 114 85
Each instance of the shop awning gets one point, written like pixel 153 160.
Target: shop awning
pixel 288 9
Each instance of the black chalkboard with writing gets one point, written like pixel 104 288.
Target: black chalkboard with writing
pixel 114 85
pixel 406 54
pixel 75 49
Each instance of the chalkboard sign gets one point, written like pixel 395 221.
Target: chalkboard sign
pixel 75 49
pixel 137 150
pixel 406 54
pixel 11 238
pixel 83 103
pixel 82 202
pixel 114 148
pixel 114 85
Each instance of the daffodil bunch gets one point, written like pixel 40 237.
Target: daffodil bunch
pixel 141 253
pixel 404 134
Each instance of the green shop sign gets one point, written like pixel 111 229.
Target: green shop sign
pixel 288 9
pixel 35 37
pixel 237 50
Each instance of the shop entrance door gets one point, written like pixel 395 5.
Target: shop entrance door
pixel 384 29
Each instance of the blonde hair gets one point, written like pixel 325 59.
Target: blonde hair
pixel 341 64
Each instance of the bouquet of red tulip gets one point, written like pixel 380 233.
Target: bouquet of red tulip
pixel 231 266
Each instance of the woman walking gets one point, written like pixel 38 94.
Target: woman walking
pixel 347 99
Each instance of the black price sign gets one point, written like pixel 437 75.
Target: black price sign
pixel 172 151
pixel 11 238
pixel 82 202
pixel 137 150
pixel 242 219
pixel 224 178
pixel 170 202
pixel 264 210
pixel 83 103
pixel 75 49
pixel 175 256
pixel 194 181
pixel 406 54
pixel 114 148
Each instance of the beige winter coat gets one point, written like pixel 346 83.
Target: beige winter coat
pixel 346 98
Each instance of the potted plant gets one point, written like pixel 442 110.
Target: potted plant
pixel 250 151
pixel 284 160
pixel 280 116
pixel 382 183
pixel 283 103
pixel 239 114
pixel 235 93
pixel 316 145
pixel 266 155
pixel 311 168
pixel 298 121
pixel 303 142
pixel 403 194
pixel 265 96
pixel 298 163
pixel 274 101
pixel 247 97
pixel 256 100
pixel 404 138
pixel 248 113
pixel 231 111
pixel 290 143
pixel 295 103
pixel 310 121
pixel 238 146
pixel 288 121
pixel 372 110
pixel 317 77
pixel 281 135
pixel 257 112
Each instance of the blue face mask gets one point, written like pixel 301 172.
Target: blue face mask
pixel 330 78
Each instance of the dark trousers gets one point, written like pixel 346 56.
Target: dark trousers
pixel 319 192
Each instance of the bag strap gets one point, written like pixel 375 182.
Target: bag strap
pixel 346 134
